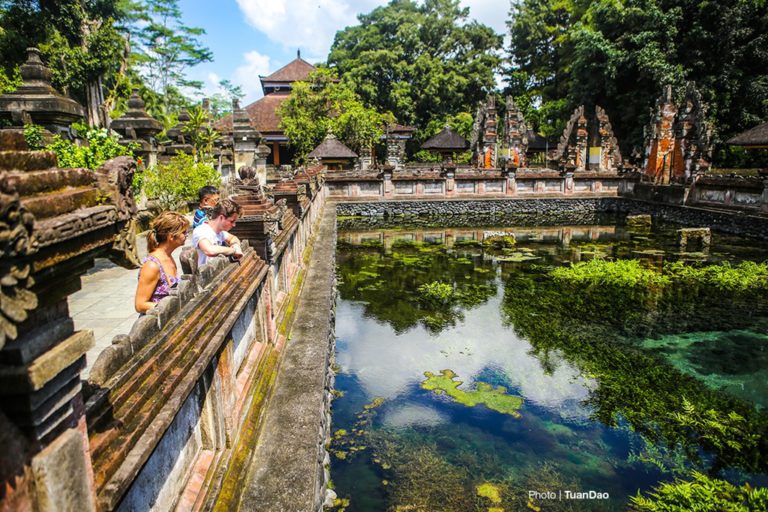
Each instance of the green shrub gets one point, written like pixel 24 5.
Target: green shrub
pixel 703 494
pixel 33 135
pixel 745 276
pixel 101 146
pixel 178 181
pixel 620 273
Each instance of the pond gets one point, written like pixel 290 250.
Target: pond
pixel 534 367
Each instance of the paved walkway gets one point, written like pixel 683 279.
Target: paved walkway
pixel 105 304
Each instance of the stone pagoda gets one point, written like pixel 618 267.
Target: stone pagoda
pixel 137 127
pixel 37 102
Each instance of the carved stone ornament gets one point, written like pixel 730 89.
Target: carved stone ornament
pixel 124 250
pixel 17 243
pixel 115 178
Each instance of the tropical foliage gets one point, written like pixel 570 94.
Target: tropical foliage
pixel 176 183
pixel 702 493
pixel 100 146
pixel 323 104
pixel 422 61
pixel 619 54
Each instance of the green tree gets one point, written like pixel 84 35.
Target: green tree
pixel 166 49
pixel 201 134
pixel 79 41
pixel 322 104
pixel 619 54
pixel 421 61
pixel 221 102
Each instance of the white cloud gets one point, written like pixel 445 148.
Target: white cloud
pixel 311 25
pixel 473 345
pixel 214 79
pixel 247 74
pixel 489 12
pixel 303 24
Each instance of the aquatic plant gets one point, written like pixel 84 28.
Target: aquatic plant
pixel 490 491
pixel 345 443
pixel 499 242
pixel 745 276
pixel 701 493
pixel 436 294
pixel 494 398
pixel 621 273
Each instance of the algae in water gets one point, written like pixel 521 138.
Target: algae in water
pixel 494 398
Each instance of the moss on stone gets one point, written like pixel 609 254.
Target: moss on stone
pixel 494 398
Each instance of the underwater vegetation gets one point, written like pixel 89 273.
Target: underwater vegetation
pixel 494 398
pixel 346 443
pixel 659 344
pixel 595 316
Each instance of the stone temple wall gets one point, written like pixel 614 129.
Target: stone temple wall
pixel 565 209
pixel 174 406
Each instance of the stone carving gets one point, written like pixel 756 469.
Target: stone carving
pixel 661 138
pixel 565 155
pixel 610 155
pixel 16 241
pixel 678 142
pixel 694 134
pixel 489 134
pixel 582 144
pixel 114 179
pixel 516 134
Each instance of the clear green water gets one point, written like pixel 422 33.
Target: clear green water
pixel 565 387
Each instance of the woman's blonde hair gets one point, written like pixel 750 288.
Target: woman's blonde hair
pixel 164 226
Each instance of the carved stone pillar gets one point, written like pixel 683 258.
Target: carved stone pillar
pixel 54 223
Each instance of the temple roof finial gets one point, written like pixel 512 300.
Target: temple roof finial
pixel 298 53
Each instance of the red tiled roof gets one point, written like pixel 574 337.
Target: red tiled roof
pixel 263 114
pixel 297 69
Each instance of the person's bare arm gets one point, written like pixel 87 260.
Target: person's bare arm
pixel 210 249
pixel 234 242
pixel 149 275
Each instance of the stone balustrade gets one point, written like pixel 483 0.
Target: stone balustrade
pixel 434 182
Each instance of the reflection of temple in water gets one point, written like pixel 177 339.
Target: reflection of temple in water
pixel 554 235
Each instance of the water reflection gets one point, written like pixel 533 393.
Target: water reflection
pixel 621 386
pixel 388 365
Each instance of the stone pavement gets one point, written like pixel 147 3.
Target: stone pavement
pixel 105 304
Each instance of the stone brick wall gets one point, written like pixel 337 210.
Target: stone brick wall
pixel 573 210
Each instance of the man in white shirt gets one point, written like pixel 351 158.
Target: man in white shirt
pixel 211 238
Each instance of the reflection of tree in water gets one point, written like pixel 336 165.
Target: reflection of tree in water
pixel 415 283
pixel 598 328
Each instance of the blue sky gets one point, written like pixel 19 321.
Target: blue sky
pixel 256 37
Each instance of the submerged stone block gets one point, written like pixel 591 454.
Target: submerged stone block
pixel 639 221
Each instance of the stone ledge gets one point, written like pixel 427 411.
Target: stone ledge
pixel 286 472
pixel 46 367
